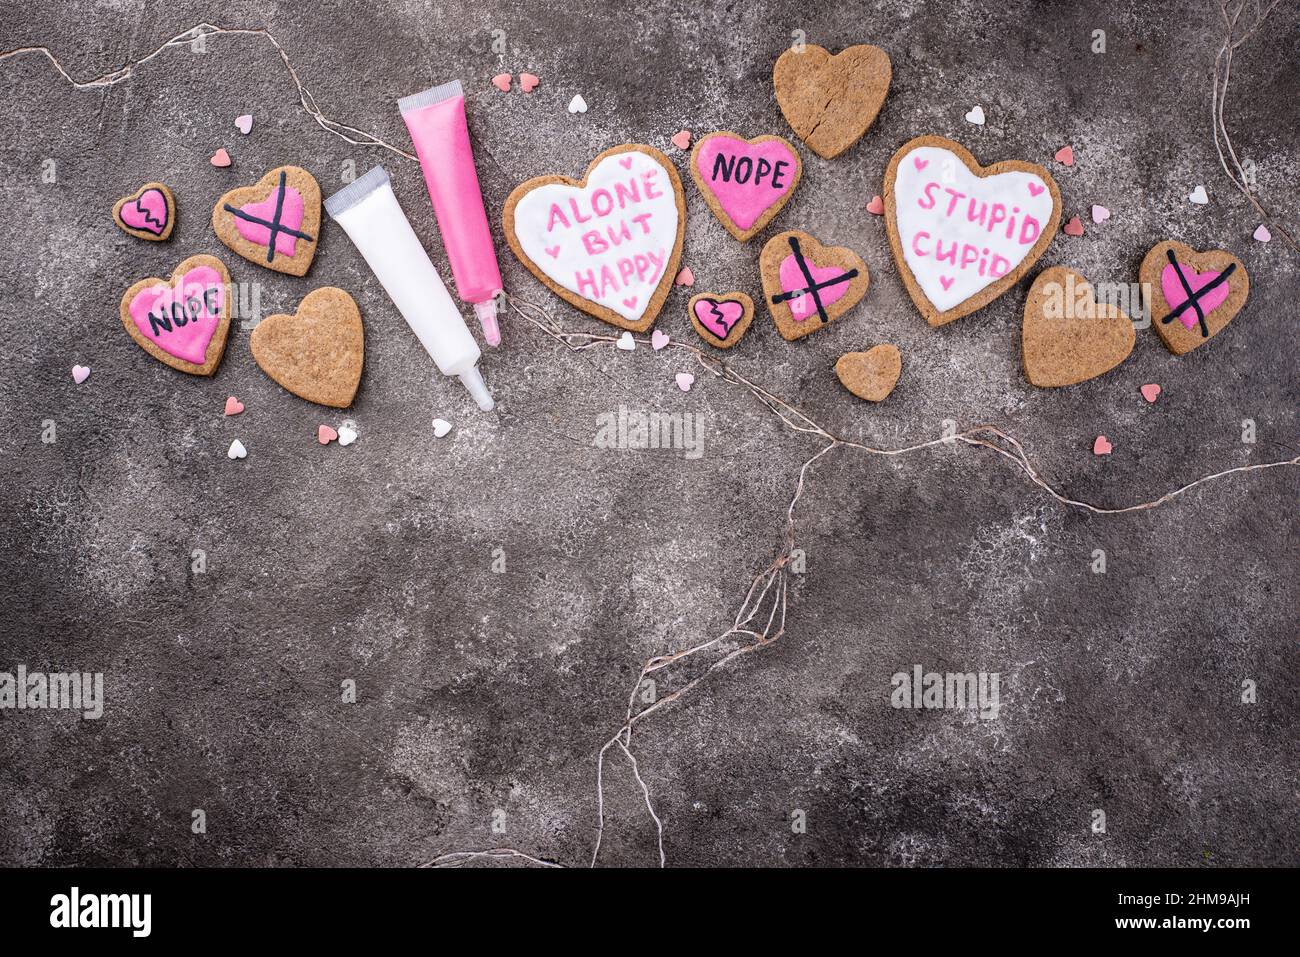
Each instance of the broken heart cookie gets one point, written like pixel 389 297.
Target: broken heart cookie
pixel 721 319
pixel 148 213
pixel 829 101
pixel 1068 336
pixel 317 352
pixel 807 284
pixel 182 321
pixel 745 182
pixel 1193 296
pixel 963 234
pixel 609 244
pixel 870 375
pixel 275 222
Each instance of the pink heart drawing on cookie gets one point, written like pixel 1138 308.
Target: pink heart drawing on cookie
pixel 181 318
pixel 1176 294
pixel 831 280
pixel 259 218
pixel 147 212
pixel 748 181
pixel 719 315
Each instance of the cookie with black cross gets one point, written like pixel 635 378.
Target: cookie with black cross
pixel 275 222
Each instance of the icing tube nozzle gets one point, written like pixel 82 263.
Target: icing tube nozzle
pixel 487 318
pixel 472 379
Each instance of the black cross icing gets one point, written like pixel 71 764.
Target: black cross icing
pixel 1193 298
pixel 813 288
pixel 275 226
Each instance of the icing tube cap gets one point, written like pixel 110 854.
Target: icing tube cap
pixel 487 317
pixel 473 380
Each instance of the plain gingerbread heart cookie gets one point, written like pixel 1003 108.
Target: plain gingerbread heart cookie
pixel 745 182
pixel 275 222
pixel 1193 295
pixel 829 101
pixel 963 234
pixel 609 244
pixel 721 319
pixel 317 352
pixel 1067 336
pixel 808 285
pixel 182 321
pixel 870 375
pixel 148 213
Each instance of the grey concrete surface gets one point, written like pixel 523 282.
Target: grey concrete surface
pixel 483 697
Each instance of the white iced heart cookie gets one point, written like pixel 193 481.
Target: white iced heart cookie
pixel 963 234
pixel 609 244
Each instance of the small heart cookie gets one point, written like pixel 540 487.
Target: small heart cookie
pixel 870 375
pixel 808 285
pixel 829 101
pixel 745 182
pixel 721 319
pixel 148 213
pixel 182 321
pixel 317 352
pixel 1067 336
pixel 275 222
pixel 1193 296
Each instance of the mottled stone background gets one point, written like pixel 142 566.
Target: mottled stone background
pixel 483 692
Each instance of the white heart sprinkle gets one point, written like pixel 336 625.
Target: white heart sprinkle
pixel 578 104
pixel 1100 214
pixel 1262 234
pixel 1198 196
pixel 626 342
pixel 658 339
pixel 244 123
pixel 441 427
pixel 976 116
pixel 80 374
pixel 237 450
pixel 684 381
pixel 347 436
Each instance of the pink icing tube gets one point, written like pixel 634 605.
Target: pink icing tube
pixel 436 119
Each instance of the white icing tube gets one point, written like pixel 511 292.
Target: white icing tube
pixel 369 213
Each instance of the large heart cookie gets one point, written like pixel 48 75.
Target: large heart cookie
pixel 148 213
pixel 745 182
pixel 182 321
pixel 1193 295
pixel 609 244
pixel 1068 336
pixel 870 375
pixel 963 234
pixel 721 319
pixel 808 285
pixel 317 352
pixel 275 222
pixel 831 100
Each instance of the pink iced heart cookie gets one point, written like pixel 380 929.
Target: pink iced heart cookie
pixel 963 234
pixel 745 182
pixel 808 285
pixel 182 321
pixel 721 319
pixel 275 222
pixel 1193 295
pixel 1183 283
pixel 609 244
pixel 149 213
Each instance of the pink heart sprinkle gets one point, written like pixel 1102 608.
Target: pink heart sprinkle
pixel 502 82
pixel 684 381
pixel 233 406
pixel 658 339
pixel 220 158
pixel 1073 228
pixel 1102 446
pixel 1100 214
pixel 553 252
pixel 876 207
pixel 682 140
pixel 685 277
pixel 920 163
pixel 946 282
pixel 1065 156
pixel 528 82
pixel 630 302
pixel 1150 391
pixel 1262 234
pixel 244 123
pixel 1035 189
pixel 626 161
pixel 325 435
pixel 80 374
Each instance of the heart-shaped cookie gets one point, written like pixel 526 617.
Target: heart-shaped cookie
pixel 1193 296
pixel 870 375
pixel 275 222
pixel 745 182
pixel 609 244
pixel 721 319
pixel 963 234
pixel 1068 336
pixel 182 321
pixel 829 101
pixel 317 352
pixel 807 284
pixel 148 213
